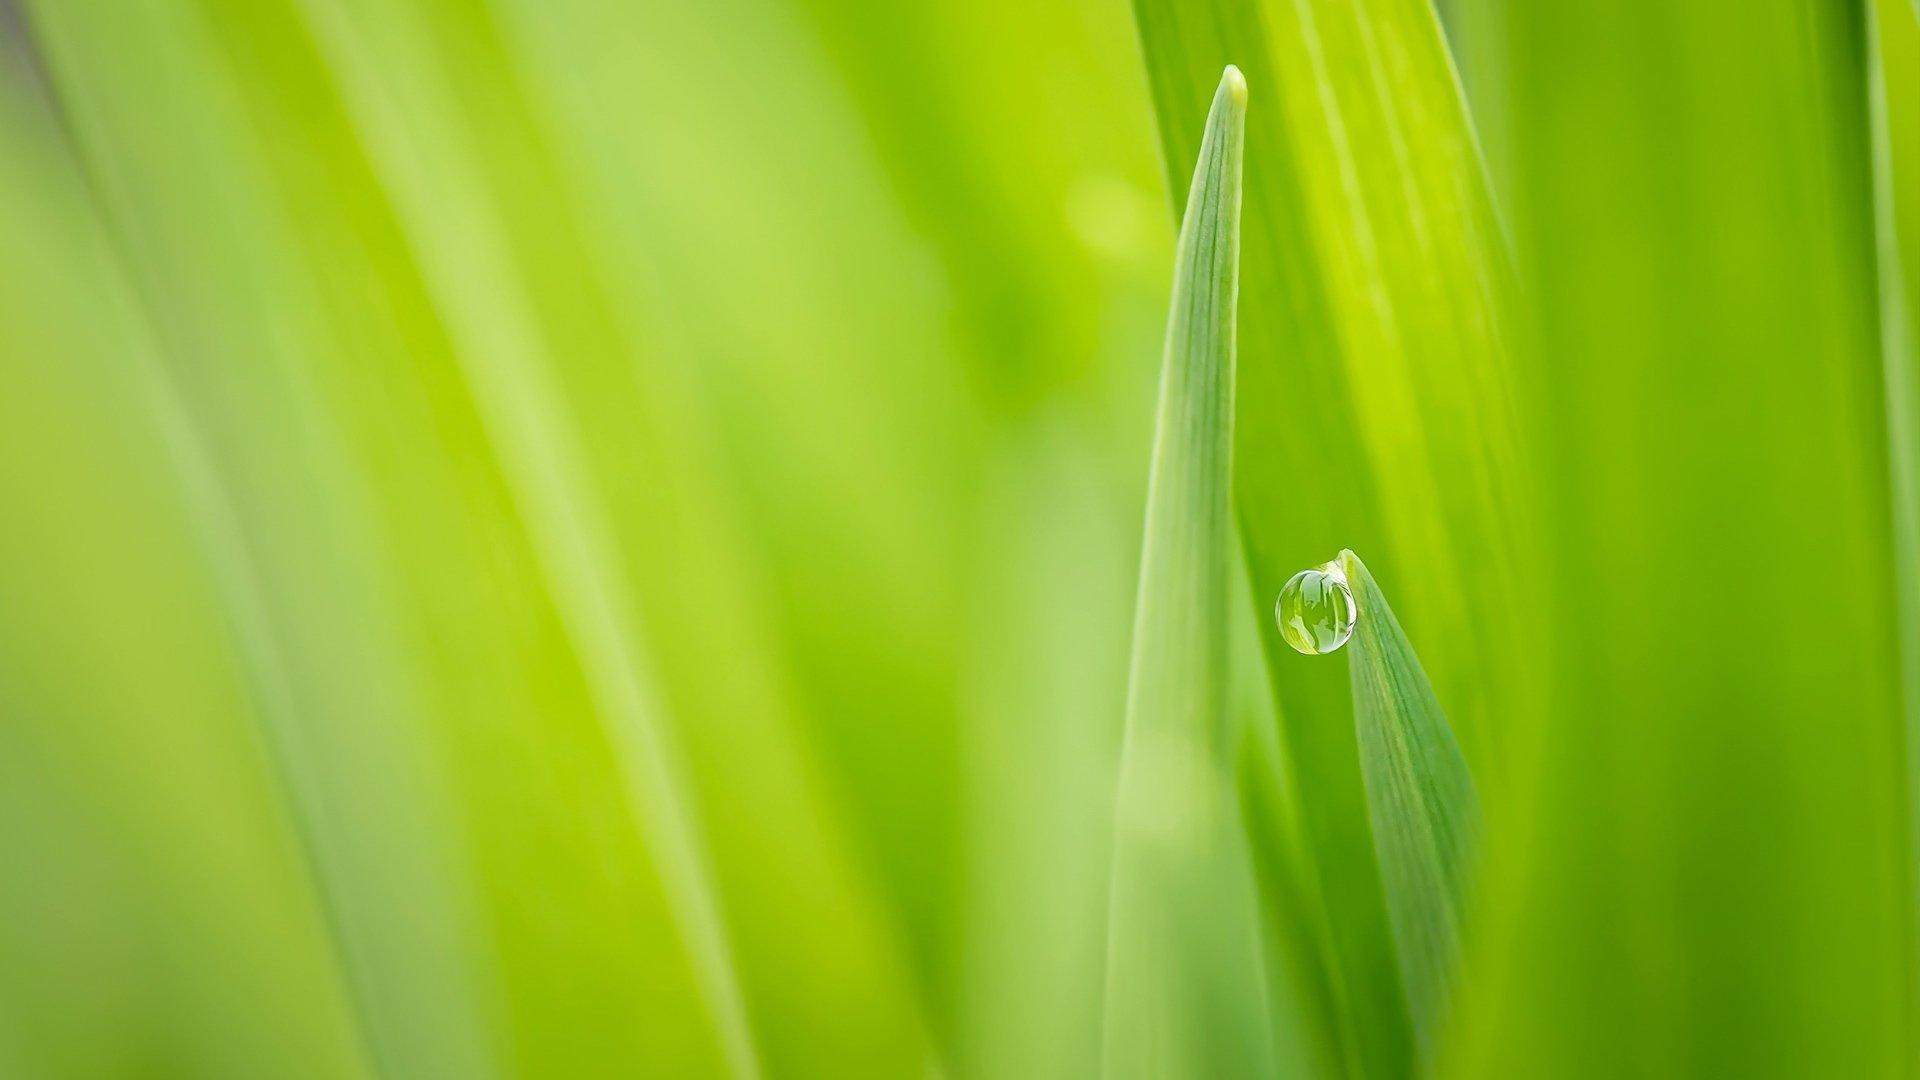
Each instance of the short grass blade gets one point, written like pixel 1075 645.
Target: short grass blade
pixel 1420 798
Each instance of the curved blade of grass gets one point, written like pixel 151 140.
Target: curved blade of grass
pixel 1374 403
pixel 1420 798
pixel 1184 992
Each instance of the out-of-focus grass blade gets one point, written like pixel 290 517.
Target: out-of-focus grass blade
pixel 985 175
pixel 472 281
pixel 784 620
pixel 289 287
pixel 593 295
pixel 1425 813
pixel 1018 145
pixel 283 507
pixel 158 917
pixel 1184 989
pixel 1374 407
pixel 1043 751
pixel 1894 111
pixel 1692 213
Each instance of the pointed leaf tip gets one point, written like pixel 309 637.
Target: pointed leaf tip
pixel 1234 84
pixel 1185 989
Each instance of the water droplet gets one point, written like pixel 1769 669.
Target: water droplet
pixel 1316 610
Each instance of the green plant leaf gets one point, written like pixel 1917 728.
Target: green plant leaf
pixel 280 493
pixel 1184 987
pixel 165 881
pixel 561 593
pixel 1894 111
pixel 1374 409
pixel 1708 415
pixel 1420 799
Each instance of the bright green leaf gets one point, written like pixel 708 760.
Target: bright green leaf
pixel 1894 111
pixel 1712 877
pixel 1420 798
pixel 1184 989
pixel 1375 408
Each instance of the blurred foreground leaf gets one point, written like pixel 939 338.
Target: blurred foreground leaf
pixel 1894 110
pixel 1692 210
pixel 159 916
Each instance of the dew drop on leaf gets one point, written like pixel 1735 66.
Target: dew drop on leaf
pixel 1316 610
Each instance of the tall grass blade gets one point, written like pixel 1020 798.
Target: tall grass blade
pixel 589 293
pixel 1894 110
pixel 166 872
pixel 463 244
pixel 283 511
pixel 1707 406
pixel 311 259
pixel 1045 748
pixel 1420 798
pixel 1184 989
pixel 1375 406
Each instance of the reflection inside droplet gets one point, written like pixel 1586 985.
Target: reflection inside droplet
pixel 1316 610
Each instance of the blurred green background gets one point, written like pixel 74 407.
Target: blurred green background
pixel 585 538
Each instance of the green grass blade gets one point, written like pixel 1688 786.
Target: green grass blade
pixel 1894 111
pixel 1421 800
pixel 589 294
pixel 463 243
pixel 1710 424
pixel 1184 993
pixel 304 230
pixel 168 923
pixel 1374 408
pixel 1179 667
pixel 283 509
pixel 1045 748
